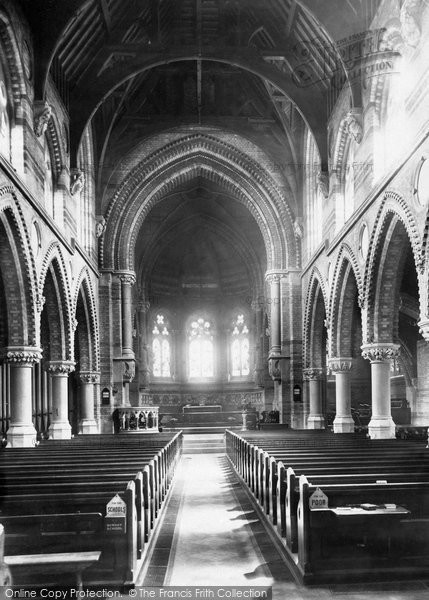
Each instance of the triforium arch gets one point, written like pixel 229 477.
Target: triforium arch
pixel 11 54
pixel 187 158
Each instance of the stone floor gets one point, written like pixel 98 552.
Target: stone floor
pixel 211 535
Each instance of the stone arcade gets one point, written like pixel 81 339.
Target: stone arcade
pixel 210 208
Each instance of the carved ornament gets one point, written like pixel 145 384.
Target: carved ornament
pixel 312 374
pixel 380 352
pixel 42 114
pixel 340 365
pixel 77 181
pixel 23 356
pixel 61 367
pixel 89 377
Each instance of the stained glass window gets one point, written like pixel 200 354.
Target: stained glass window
pixel 240 347
pixel 201 349
pixel 161 348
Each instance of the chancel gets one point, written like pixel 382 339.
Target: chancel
pixel 214 296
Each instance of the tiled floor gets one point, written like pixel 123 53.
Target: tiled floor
pixel 211 535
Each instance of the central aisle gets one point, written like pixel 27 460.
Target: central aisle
pixel 213 543
pixel 211 535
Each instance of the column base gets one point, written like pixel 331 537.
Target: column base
pixel 59 431
pixel 344 425
pixel 21 436
pixel 382 428
pixel 88 426
pixel 316 422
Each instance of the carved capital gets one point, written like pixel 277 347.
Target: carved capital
pixel 89 377
pixel 60 367
pixel 40 303
pixel 129 370
pixel 22 355
pixel 77 181
pixel 273 278
pixel 100 227
pixel 312 373
pixel 380 352
pixel 143 306
pixel 340 365
pixel 127 278
pixel 274 368
pixel 323 183
pixel 354 125
pixel 424 329
pixel 42 114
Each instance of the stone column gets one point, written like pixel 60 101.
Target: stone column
pixel 143 346
pixel 88 381
pixel 316 420
pixel 60 428
pixel 258 343
pixel 381 424
pixel 343 422
pixel 275 314
pixel 21 432
pixel 127 281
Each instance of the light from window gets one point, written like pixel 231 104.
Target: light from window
pixel 161 348
pixel 201 350
pixel 240 348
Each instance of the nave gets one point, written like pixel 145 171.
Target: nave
pixel 213 533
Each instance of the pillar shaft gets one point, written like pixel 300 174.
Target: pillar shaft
pixel 343 422
pixel 143 346
pixel 275 314
pixel 21 432
pixel 87 422
pixel 316 420
pixel 60 428
pixel 127 281
pixel 380 355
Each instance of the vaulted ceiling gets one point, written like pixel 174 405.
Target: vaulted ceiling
pixel 257 70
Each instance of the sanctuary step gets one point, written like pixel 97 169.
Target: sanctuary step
pixel 203 443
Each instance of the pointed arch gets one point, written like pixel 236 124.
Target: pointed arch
pixel 86 322
pixel 315 321
pixel 18 267
pixel 199 156
pixel 385 252
pixel 54 288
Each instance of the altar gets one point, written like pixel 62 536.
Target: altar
pixel 198 414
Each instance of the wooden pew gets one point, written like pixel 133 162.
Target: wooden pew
pixel 340 542
pixel 90 481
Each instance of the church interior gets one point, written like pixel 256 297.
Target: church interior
pixel 214 295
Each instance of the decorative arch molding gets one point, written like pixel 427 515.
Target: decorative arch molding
pixel 199 155
pixel 31 299
pixel 84 284
pixel 246 253
pixel 315 287
pixel 341 143
pixel 55 258
pixel 345 265
pixel 12 56
pixel 56 148
pixel 393 206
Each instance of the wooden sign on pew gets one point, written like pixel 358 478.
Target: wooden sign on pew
pixel 318 499
pixel 116 516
